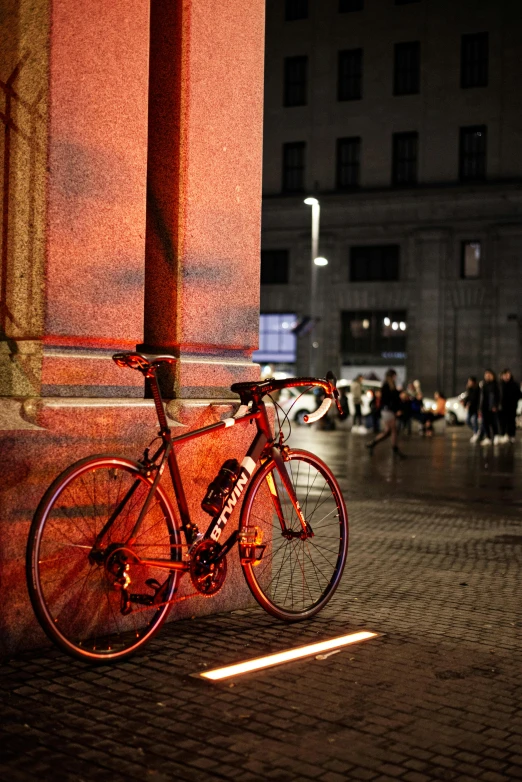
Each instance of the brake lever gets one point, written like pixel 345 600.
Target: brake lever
pixel 335 393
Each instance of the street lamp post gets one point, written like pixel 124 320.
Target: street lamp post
pixel 315 261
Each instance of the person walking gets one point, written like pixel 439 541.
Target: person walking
pixel 509 396
pixel 375 410
pixel 356 389
pixel 404 421
pixel 489 405
pixel 471 403
pixel 345 407
pixel 390 409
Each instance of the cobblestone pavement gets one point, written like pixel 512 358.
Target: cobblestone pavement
pixel 434 564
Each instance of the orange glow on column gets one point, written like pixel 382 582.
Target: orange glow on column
pixel 287 656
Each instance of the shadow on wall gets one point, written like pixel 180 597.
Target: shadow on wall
pixel 23 113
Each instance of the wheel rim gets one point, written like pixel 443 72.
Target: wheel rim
pixel 295 577
pixel 79 596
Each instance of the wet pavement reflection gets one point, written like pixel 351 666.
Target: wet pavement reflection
pixel 446 465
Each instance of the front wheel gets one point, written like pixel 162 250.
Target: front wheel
pixel 296 575
pixel 89 591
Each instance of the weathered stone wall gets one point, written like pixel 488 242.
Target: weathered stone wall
pixel 88 269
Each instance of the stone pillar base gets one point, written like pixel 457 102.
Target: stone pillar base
pixel 40 437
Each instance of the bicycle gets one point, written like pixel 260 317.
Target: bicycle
pixel 106 550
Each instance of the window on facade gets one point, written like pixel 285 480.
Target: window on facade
pixel 470 260
pixel 295 81
pixel 348 162
pixel 406 72
pixel 296 9
pixel 277 342
pixel 472 153
pixel 375 333
pixel 274 267
pixel 474 53
pixel 404 165
pixel 349 81
pixel 374 263
pixel 345 6
pixel 294 167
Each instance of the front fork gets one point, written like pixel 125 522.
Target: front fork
pixel 278 455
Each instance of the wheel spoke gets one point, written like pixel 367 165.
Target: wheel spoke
pixel 297 575
pixel 78 596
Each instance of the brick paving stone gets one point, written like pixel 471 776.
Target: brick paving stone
pixel 332 776
pixel 437 697
pixel 415 776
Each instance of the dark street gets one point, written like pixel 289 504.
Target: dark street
pixel 434 565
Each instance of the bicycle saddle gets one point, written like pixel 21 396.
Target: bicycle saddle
pixel 141 361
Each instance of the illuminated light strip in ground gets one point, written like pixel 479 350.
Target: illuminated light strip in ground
pixel 288 656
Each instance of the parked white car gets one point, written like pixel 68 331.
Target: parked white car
pixel 456 413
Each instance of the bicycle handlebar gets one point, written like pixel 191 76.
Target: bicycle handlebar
pixel 322 410
pixel 329 385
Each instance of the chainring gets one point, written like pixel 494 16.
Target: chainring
pixel 207 576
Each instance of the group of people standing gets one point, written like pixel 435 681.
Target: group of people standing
pixel 492 407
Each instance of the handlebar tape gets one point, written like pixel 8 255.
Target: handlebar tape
pixel 322 410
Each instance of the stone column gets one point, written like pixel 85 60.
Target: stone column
pixel 204 191
pixel 76 83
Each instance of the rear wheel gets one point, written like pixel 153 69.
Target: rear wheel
pixel 296 576
pixel 93 600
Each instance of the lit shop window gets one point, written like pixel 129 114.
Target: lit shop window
pixel 277 341
pixel 470 260
pixel 380 333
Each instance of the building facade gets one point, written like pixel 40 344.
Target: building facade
pixel 403 118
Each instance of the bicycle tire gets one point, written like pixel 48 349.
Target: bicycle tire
pixel 295 578
pixel 78 601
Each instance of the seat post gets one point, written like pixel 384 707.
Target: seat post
pixel 158 401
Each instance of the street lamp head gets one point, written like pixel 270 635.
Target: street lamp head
pixel 320 261
pixel 311 201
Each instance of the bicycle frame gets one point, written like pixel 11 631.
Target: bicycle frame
pixel 262 445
